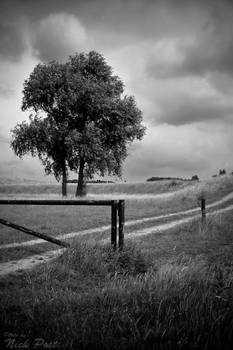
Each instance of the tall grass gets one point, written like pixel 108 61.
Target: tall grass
pixel 92 298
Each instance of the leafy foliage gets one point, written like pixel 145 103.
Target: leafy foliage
pixel 40 137
pixel 88 124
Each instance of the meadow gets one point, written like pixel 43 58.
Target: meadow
pixel 62 219
pixel 169 290
pixel 122 187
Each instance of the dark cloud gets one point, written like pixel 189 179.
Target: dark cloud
pixel 106 20
pixel 12 43
pixel 209 49
pixel 223 82
pixel 214 48
pixel 59 35
pixel 20 16
pixel 191 109
pixel 35 10
pixel 205 58
pixel 113 23
pixel 185 100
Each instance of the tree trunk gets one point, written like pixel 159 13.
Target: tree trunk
pixel 81 190
pixel 64 181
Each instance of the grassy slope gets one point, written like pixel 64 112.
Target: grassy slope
pixel 128 187
pixel 55 219
pixel 170 291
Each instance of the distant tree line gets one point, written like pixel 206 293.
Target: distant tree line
pixel 221 172
pixel 158 178
pixel 74 181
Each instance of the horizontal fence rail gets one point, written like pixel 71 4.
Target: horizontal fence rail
pixel 56 202
pixel 117 207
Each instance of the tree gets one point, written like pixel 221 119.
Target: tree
pixel 195 178
pixel 222 172
pixel 89 122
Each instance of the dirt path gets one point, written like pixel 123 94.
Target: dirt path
pixel 128 223
pixel 30 262
pixel 169 225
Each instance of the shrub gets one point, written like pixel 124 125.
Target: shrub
pixel 195 178
pixel 101 260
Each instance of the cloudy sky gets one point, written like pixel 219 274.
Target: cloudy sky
pixel 174 56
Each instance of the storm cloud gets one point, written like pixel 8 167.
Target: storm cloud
pixel 175 57
pixel 58 36
pixel 12 43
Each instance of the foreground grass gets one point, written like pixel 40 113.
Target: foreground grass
pixel 171 291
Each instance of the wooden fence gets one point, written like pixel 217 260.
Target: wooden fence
pixel 117 212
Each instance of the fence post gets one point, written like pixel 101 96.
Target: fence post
pixel 114 224
pixel 121 214
pixel 203 211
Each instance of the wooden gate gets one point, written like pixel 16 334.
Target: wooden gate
pixel 117 212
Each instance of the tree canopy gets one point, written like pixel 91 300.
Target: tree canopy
pixel 42 138
pixel 81 119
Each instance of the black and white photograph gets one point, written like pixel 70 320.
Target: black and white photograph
pixel 116 174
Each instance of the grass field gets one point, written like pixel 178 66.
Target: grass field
pixel 125 188
pixel 172 290
pixel 62 219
